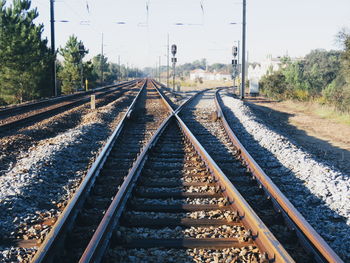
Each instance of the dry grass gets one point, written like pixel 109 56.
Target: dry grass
pixel 190 85
pixel 323 111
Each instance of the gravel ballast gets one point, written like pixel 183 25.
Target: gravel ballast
pixel 319 191
pixel 44 178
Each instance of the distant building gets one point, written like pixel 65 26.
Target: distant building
pixel 257 70
pixel 207 75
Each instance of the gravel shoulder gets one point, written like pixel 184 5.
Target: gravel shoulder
pixel 37 186
pixel 15 142
pixel 312 182
pixel 324 138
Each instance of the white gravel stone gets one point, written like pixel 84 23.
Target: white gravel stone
pixel 192 201
pixel 223 231
pixel 45 177
pixel 212 214
pixel 228 255
pixel 326 188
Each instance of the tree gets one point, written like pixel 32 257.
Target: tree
pixel 24 56
pixel 89 73
pixel 96 62
pixel 321 68
pixel 340 96
pixel 274 85
pixel 344 38
pixel 70 75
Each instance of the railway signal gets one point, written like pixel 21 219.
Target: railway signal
pixel 235 65
pixel 173 50
pixel 173 60
pixel 234 51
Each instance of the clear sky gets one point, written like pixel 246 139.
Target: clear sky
pixel 273 27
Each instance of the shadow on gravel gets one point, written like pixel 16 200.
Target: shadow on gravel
pixel 60 171
pixel 26 138
pixel 23 139
pixel 301 197
pixel 319 149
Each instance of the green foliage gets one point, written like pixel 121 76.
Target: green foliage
pixel 321 76
pixel 97 68
pixel 219 67
pixel 70 74
pixel 89 73
pixel 24 57
pixel 274 85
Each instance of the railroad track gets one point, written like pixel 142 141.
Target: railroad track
pixel 16 117
pixel 177 205
pixel 158 206
pixel 285 222
pixel 175 210
pixel 83 213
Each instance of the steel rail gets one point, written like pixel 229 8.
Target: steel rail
pixel 263 237
pixel 14 108
pixel 100 240
pixel 308 235
pixel 164 98
pixel 61 108
pixel 47 251
pixel 179 108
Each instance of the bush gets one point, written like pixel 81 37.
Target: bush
pixel 273 85
pixel 2 102
pixel 301 95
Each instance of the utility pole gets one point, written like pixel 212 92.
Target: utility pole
pixel 120 69
pixel 127 70
pixel 167 77
pixel 101 62
pixel 53 48
pixel 239 56
pixel 156 70
pixel 159 68
pixel 243 47
pixel 82 53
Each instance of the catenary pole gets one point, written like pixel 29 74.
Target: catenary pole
pixel 53 48
pixel 159 67
pixel 101 62
pixel 118 76
pixel 167 82
pixel 243 48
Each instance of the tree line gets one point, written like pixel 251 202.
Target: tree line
pixel 183 71
pixel 26 60
pixel 97 71
pixel 322 76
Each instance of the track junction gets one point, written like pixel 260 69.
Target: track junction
pixel 164 188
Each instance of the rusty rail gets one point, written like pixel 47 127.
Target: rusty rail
pixel 263 237
pixel 16 108
pixel 99 242
pixel 307 234
pixel 178 109
pixel 47 250
pixel 77 99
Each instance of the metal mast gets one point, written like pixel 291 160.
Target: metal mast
pixel 53 48
pixel 243 48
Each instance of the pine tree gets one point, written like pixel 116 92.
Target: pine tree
pixel 96 62
pixel 24 55
pixel 70 73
